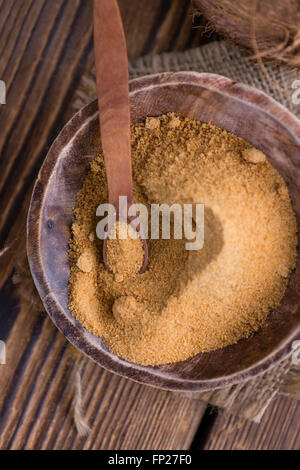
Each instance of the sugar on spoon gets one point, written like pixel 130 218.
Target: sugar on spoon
pixel 114 112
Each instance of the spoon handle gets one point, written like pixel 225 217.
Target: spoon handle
pixel 113 98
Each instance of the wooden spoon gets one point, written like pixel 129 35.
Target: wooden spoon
pixel 113 102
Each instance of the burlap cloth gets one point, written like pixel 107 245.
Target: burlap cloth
pixel 250 399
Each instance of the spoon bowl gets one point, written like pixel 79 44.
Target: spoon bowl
pixel 238 108
pixel 145 249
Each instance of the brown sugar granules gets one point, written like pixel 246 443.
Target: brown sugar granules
pixel 187 301
pixel 125 255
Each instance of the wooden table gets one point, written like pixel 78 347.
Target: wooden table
pixel 45 48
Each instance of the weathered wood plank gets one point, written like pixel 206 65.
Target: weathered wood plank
pixel 139 19
pixel 278 430
pixel 166 35
pixel 29 133
pixel 43 99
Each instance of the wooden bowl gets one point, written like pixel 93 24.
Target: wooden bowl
pixel 235 107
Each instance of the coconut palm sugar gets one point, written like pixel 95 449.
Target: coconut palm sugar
pixel 187 302
pixel 125 255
